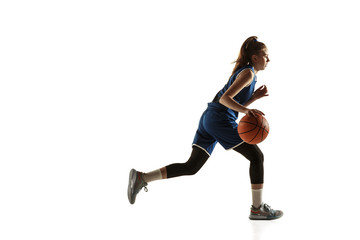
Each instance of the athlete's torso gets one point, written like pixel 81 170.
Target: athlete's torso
pixel 242 97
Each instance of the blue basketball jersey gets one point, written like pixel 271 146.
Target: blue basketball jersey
pixel 242 97
pixel 218 123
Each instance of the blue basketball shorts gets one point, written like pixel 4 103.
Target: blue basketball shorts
pixel 216 126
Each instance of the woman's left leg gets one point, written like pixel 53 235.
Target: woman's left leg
pixel 259 210
pixel 256 158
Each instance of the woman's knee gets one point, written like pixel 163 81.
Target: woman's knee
pixel 257 158
pixel 191 168
pixel 261 157
pixel 197 159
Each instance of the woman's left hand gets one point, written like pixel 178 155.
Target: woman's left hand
pixel 260 92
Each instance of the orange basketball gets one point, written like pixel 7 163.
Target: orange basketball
pixel 253 130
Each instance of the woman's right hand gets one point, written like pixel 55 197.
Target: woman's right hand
pixel 252 112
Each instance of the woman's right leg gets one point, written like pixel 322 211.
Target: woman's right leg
pixel 197 159
pixel 138 180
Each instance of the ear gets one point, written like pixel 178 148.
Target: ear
pixel 254 58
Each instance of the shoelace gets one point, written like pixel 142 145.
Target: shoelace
pixel 268 209
pixel 143 184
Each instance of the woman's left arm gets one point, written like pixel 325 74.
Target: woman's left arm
pixel 259 93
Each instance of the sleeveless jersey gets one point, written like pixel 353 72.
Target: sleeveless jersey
pixel 242 97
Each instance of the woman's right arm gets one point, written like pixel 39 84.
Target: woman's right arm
pixel 244 79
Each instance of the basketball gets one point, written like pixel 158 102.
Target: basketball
pixel 253 130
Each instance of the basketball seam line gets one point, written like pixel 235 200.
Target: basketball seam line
pixel 254 125
pixel 249 130
pixel 257 131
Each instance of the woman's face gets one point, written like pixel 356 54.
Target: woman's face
pixel 261 60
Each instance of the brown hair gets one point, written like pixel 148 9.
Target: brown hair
pixel 250 47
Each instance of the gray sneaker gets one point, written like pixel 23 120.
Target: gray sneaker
pixel 136 183
pixel 264 212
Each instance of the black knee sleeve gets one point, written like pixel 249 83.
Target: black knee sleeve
pixel 256 158
pixel 197 159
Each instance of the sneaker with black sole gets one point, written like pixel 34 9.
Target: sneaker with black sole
pixel 136 183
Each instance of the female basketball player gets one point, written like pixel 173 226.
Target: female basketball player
pixel 218 124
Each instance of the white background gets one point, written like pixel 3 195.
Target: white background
pixel 91 89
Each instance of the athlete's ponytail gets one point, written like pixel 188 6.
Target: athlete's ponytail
pixel 250 47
